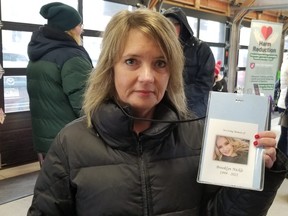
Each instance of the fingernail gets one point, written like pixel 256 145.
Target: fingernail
pixel 255 143
pixel 257 136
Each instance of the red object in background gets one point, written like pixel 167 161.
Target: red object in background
pixel 217 67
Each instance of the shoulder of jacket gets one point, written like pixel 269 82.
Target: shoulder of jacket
pixel 195 41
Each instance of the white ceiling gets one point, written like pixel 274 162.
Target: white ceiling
pixel 270 2
pixel 280 6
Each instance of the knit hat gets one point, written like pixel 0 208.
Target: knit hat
pixel 61 16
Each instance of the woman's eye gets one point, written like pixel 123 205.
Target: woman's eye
pixel 161 64
pixel 130 61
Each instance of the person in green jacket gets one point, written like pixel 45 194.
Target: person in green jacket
pixel 56 74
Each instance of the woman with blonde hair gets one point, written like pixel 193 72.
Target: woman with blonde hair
pixel 230 149
pixel 135 152
pixel 57 72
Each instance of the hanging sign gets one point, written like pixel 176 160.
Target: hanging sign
pixel 263 57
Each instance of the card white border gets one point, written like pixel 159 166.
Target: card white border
pixel 226 173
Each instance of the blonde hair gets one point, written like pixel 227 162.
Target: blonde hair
pixel 101 87
pixel 76 37
pixel 238 145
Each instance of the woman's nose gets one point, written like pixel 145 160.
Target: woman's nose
pixel 146 73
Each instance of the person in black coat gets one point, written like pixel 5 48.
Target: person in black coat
pixel 132 153
pixel 220 83
pixel 199 63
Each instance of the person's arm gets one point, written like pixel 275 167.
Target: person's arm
pixel 198 91
pixel 75 73
pixel 52 193
pixel 206 67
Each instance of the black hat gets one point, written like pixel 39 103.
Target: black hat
pixel 61 16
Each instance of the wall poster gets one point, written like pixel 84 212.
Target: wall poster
pixel 263 57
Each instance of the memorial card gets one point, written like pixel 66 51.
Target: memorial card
pixel 228 156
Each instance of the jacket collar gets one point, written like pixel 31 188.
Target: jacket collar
pixel 116 129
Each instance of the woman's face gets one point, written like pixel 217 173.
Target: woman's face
pixel 141 75
pixel 78 30
pixel 177 28
pixel 225 147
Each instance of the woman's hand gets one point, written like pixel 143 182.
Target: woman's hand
pixel 267 139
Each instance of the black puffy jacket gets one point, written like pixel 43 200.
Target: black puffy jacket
pixel 110 170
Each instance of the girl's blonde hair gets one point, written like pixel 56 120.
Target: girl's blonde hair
pixel 101 87
pixel 76 37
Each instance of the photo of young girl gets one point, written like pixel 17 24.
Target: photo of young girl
pixel 231 149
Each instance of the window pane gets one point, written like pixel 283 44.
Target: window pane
pixel 13 10
pixel 286 42
pixel 212 31
pixel 218 53
pixel 92 45
pixel 105 10
pixel 240 81
pixel 15 48
pixel 242 57
pixel 193 22
pixel 15 94
pixel 244 36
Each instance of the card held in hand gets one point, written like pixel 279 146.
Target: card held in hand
pixel 228 156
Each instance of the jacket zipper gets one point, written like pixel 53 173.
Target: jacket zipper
pixel 144 185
